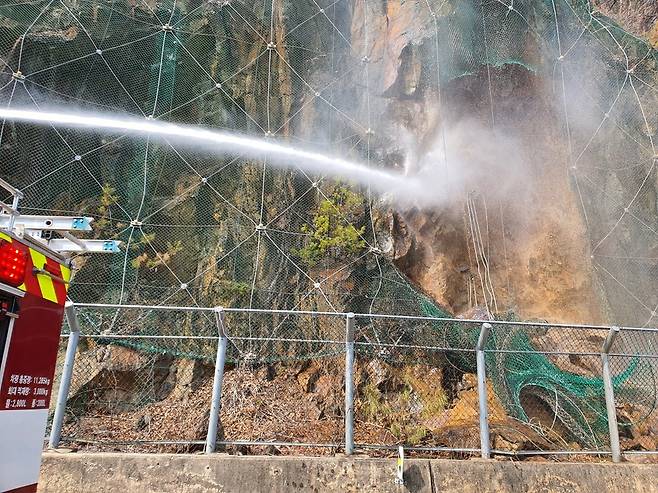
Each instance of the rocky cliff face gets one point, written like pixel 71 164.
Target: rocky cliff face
pixel 637 16
pixel 397 84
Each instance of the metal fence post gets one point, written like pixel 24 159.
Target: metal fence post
pixel 610 394
pixel 216 402
pixel 67 373
pixel 485 446
pixel 349 384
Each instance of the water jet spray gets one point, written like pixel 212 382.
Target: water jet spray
pixel 400 188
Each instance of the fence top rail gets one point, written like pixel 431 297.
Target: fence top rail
pixel 365 315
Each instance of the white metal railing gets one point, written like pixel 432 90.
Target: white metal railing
pixel 11 210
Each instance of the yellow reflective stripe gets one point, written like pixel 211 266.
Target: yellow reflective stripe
pixel 45 282
pixel 66 275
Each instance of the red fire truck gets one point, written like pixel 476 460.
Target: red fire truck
pixel 34 280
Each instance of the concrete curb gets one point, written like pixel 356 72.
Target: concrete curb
pixel 165 473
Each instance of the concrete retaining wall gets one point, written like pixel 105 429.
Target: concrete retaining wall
pixel 163 473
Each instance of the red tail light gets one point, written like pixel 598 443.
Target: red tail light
pixel 13 263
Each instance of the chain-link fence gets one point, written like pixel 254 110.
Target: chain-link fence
pixel 473 387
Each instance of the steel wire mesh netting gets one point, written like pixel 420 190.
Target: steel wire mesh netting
pixel 206 229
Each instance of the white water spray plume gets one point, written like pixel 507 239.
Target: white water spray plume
pixel 403 189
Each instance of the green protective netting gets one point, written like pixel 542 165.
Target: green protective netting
pixel 575 400
pixel 323 74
